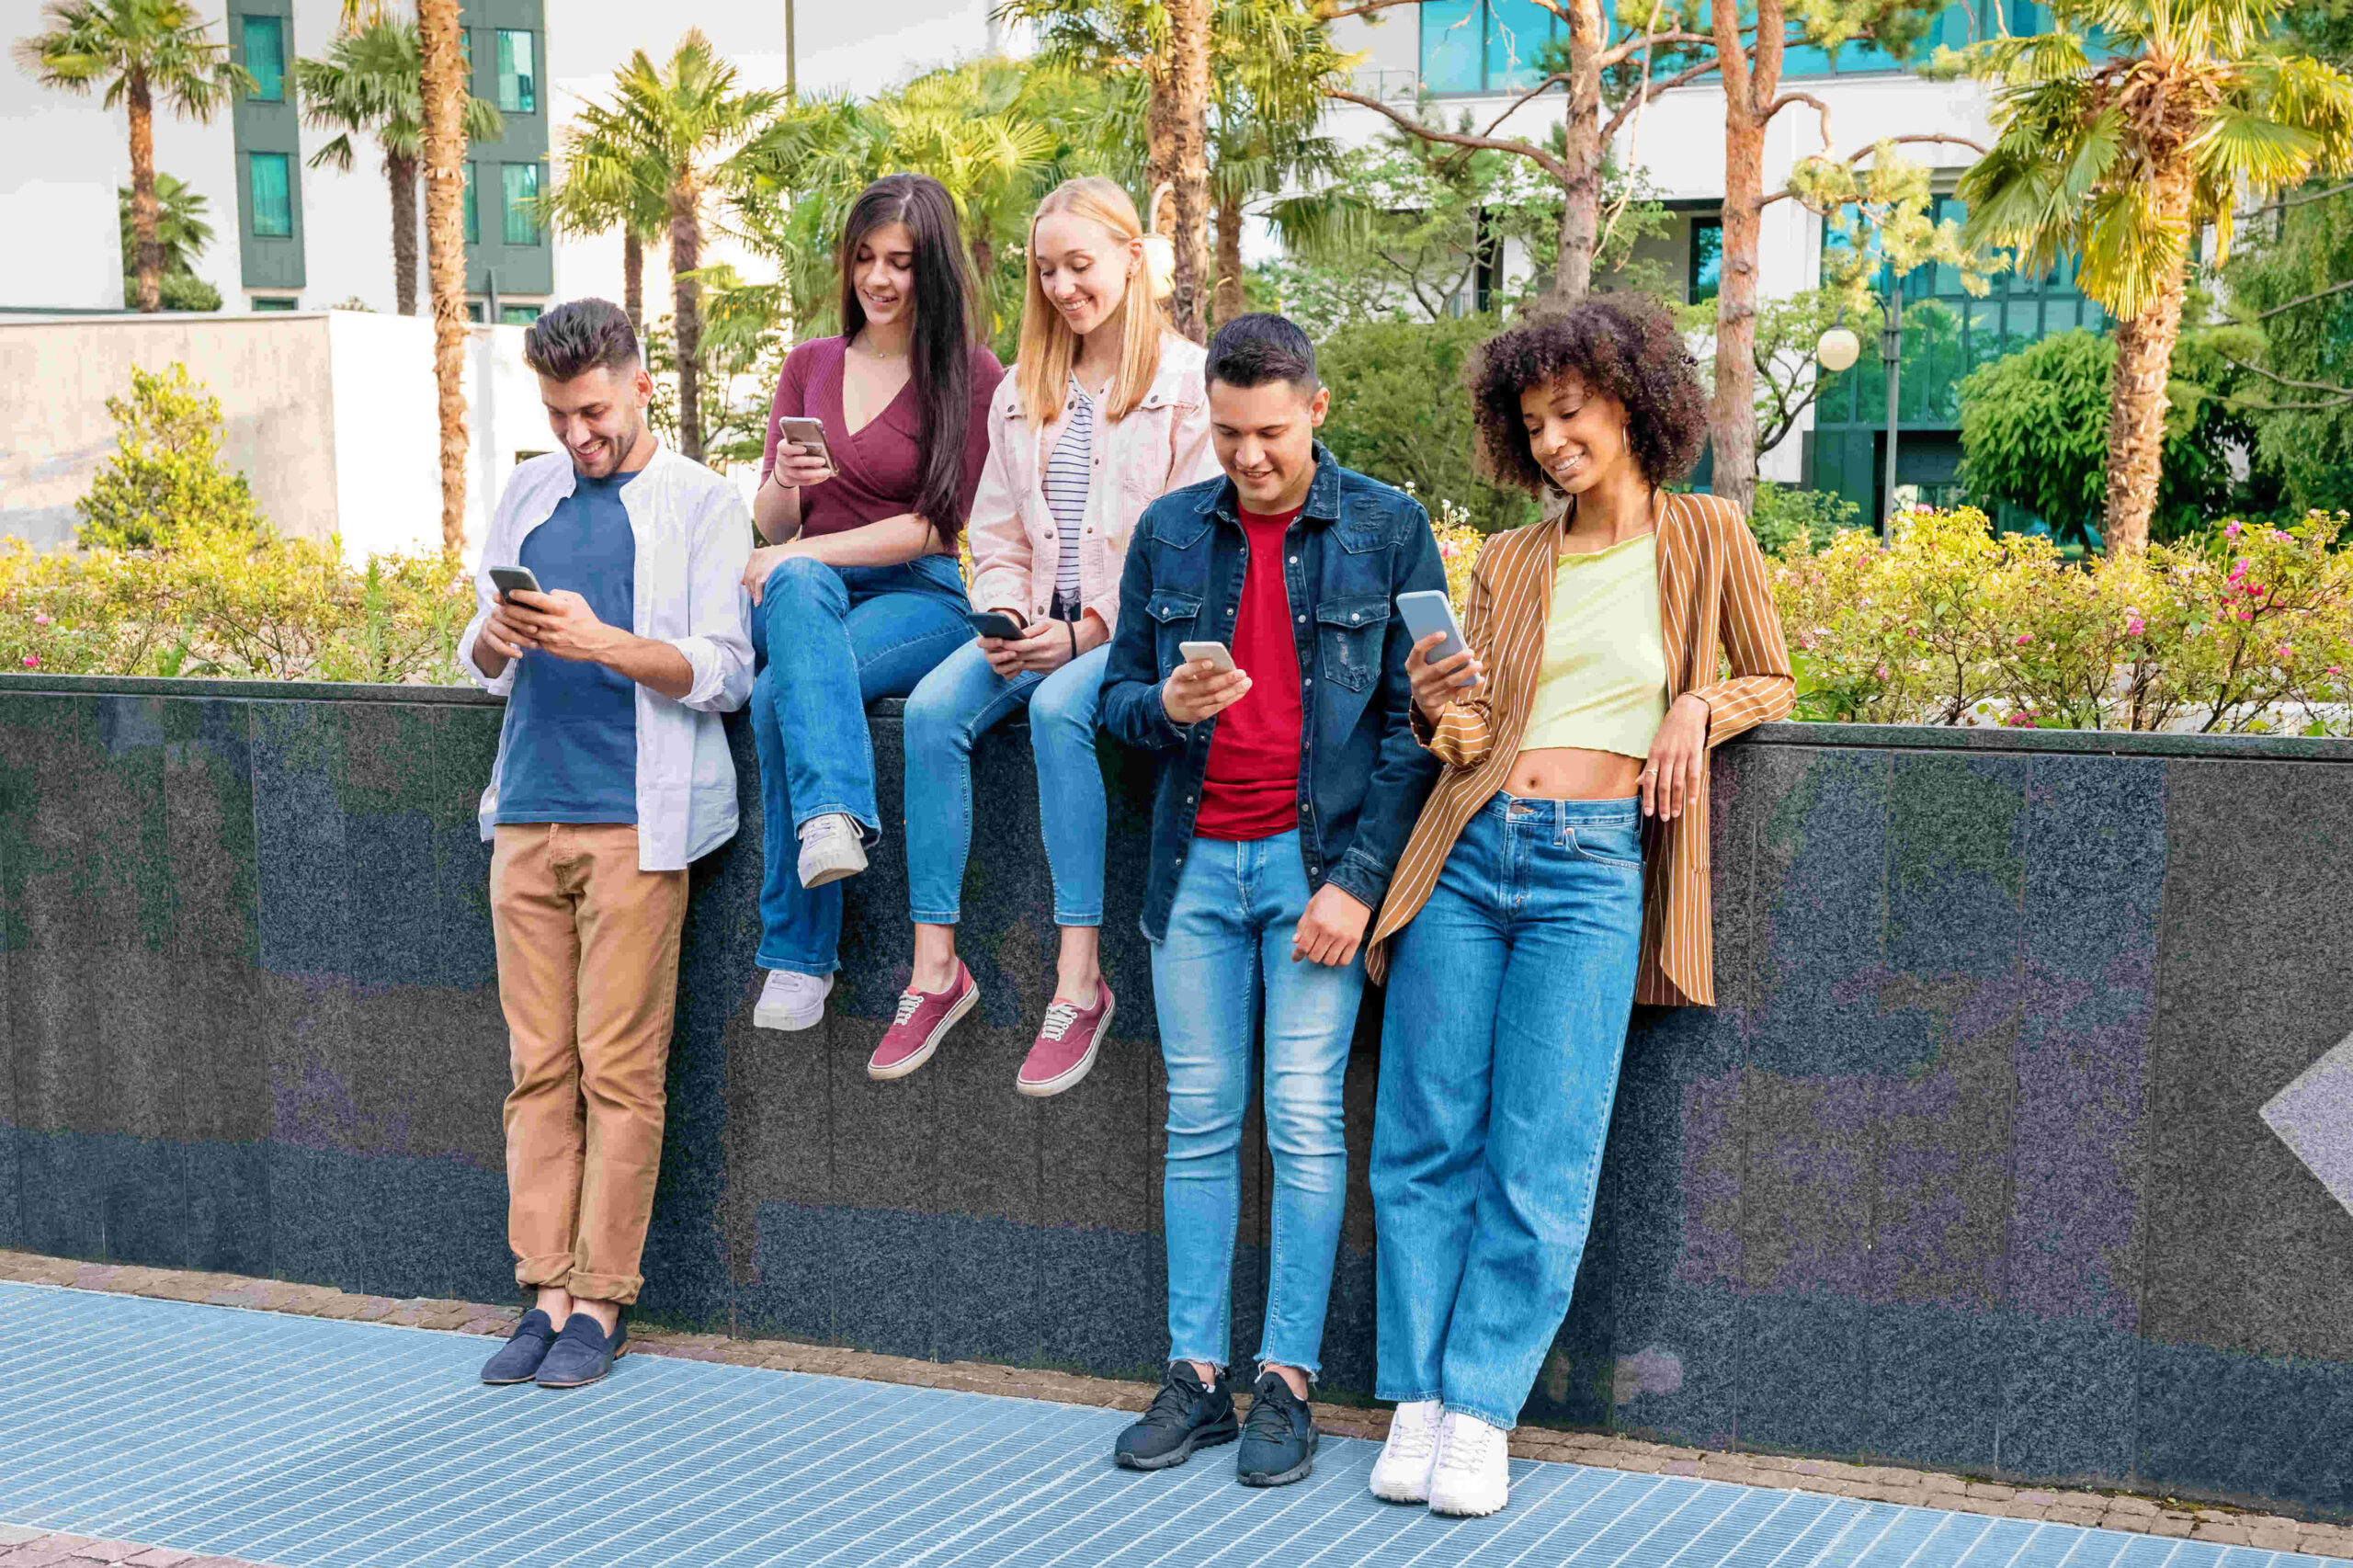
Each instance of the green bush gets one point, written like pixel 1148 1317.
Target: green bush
pixel 1784 511
pixel 166 473
pixel 1400 414
pixel 2034 433
pixel 182 291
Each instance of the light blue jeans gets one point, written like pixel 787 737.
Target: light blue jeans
pixel 1229 940
pixel 1509 995
pixel 955 703
pixel 830 641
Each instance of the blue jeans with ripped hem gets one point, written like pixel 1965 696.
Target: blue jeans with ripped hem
pixel 831 639
pixel 1509 995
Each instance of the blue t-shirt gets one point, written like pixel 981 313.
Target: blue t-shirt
pixel 571 726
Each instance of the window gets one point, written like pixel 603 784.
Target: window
pixel 473 215
pixel 1706 259
pixel 518 315
pixel 272 302
pixel 518 91
pixel 271 183
pixel 1483 46
pixel 473 310
pixel 521 187
pixel 265 48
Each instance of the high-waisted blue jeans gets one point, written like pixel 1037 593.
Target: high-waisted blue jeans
pixel 831 640
pixel 1229 941
pixel 1509 995
pixel 948 711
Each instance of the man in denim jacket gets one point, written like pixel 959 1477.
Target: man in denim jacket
pixel 1287 787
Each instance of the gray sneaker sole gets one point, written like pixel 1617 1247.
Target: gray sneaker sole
pixel 831 863
pixel 1179 1454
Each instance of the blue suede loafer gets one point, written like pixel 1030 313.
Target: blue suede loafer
pixel 581 1354
pixel 519 1360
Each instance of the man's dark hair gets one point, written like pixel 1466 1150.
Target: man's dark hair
pixel 1250 351
pixel 578 336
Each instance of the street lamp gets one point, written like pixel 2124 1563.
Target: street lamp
pixel 1839 348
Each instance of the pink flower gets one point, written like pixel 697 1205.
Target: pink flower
pixel 2233 530
pixel 2022 639
pixel 2019 719
pixel 2334 671
pixel 41 620
pixel 1880 673
pixel 1448 550
pixel 2283 536
pixel 32 661
pixel 2134 624
pixel 2283 651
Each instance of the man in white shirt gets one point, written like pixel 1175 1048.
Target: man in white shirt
pixel 612 774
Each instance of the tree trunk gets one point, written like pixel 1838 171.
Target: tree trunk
pixel 2137 404
pixel 1749 92
pixel 686 254
pixel 1580 191
pixel 445 247
pixel 145 214
pixel 401 174
pixel 1230 302
pixel 1187 112
pixel 633 280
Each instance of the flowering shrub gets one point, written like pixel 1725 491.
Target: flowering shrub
pixel 226 602
pixel 2238 630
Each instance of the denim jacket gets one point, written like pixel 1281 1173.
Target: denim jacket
pixel 1355 546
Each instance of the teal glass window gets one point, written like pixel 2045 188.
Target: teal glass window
pixel 474 213
pixel 520 188
pixel 1483 46
pixel 1706 259
pixel 264 43
pixel 270 184
pixel 272 302
pixel 518 315
pixel 518 91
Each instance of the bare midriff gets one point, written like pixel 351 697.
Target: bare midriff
pixel 1572 773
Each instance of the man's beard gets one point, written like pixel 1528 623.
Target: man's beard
pixel 619 446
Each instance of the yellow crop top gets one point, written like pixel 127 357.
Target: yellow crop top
pixel 1604 682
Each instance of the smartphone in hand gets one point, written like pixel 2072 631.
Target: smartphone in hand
pixel 1219 657
pixel 512 580
pixel 994 623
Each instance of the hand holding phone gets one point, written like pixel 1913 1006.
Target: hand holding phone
pixel 1205 685
pixel 1441 667
pixel 513 580
pixel 505 632
pixel 994 623
pixel 801 457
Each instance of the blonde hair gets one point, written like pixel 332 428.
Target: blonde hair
pixel 1041 368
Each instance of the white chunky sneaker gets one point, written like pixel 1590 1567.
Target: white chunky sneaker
pixel 1401 1473
pixel 1473 1473
pixel 831 849
pixel 791 1000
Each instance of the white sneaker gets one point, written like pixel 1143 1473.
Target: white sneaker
pixel 1402 1474
pixel 791 1000
pixel 831 849
pixel 1473 1477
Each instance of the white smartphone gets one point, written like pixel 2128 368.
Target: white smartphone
pixel 514 579
pixel 1221 659
pixel 801 432
pixel 1427 611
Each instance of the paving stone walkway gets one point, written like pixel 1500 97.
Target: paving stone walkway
pixel 2266 1534
pixel 24 1547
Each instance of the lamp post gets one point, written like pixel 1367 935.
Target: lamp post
pixel 1839 348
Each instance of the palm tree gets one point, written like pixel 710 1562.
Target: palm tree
pixel 142 50
pixel 182 232
pixel 2119 158
pixel 444 84
pixel 680 121
pixel 372 80
pixel 608 182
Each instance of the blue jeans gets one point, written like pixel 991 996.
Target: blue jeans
pixel 830 641
pixel 1230 937
pixel 1509 995
pixel 946 714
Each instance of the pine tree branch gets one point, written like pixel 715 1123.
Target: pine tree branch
pixel 1528 150
pixel 1861 153
pixel 1518 102
pixel 2303 299
pixel 2338 396
pixel 1652 90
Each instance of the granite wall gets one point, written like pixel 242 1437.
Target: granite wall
pixel 1965 1169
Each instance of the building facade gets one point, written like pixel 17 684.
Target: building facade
pixel 1480 55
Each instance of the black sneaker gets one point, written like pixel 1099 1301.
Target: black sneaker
pixel 1184 1415
pixel 1279 1439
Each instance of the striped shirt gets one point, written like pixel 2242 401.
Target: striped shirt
pixel 1712 594
pixel 1068 470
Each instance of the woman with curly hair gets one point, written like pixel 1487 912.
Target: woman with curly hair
pixel 1557 874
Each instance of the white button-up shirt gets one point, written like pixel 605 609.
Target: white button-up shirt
pixel 694 536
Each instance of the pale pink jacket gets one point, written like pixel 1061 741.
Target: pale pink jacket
pixel 1162 444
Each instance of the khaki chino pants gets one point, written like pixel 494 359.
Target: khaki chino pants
pixel 588 976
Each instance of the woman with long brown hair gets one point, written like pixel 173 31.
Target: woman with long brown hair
pixel 1558 873
pixel 1104 413
pixel 859 594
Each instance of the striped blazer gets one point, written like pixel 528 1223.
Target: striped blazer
pixel 1713 593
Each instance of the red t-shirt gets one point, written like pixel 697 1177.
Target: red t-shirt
pixel 1251 790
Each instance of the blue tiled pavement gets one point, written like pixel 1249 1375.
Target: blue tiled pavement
pixel 316 1444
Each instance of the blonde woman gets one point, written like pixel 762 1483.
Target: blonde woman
pixel 1103 414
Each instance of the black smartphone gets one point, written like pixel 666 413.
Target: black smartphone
pixel 514 579
pixel 994 623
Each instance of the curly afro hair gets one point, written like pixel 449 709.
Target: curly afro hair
pixel 1620 344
